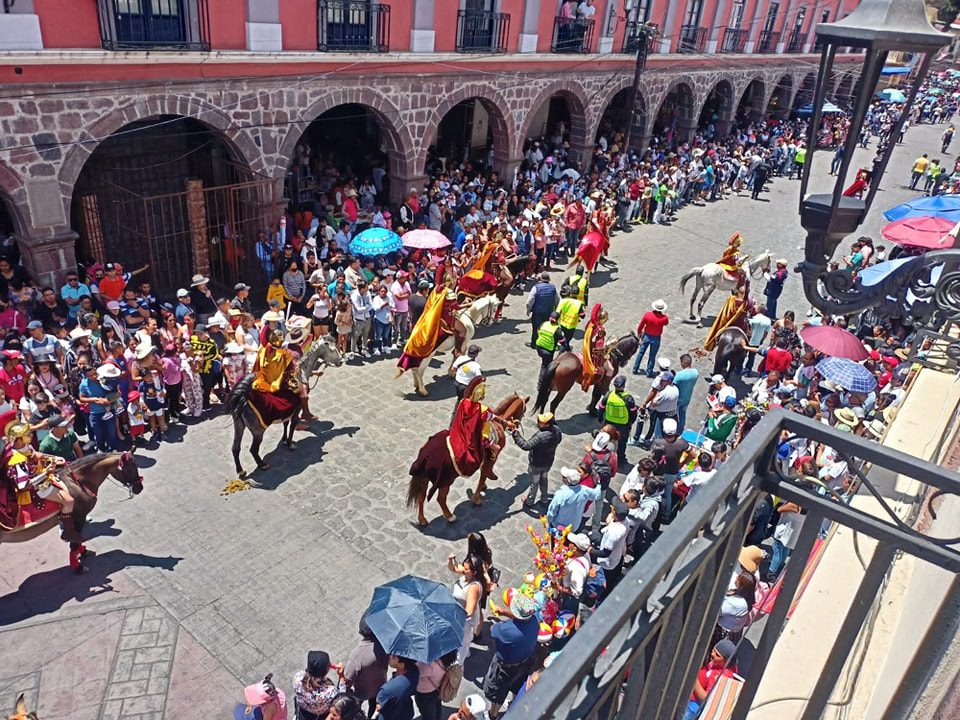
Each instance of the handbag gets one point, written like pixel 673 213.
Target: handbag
pixel 450 684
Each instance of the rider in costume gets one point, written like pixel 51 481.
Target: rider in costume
pixel 594 360
pixel 471 432
pixel 297 343
pixel 734 313
pixel 274 365
pixel 731 260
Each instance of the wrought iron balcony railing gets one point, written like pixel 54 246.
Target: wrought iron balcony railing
pixel 572 35
pixel 645 643
pixel 693 39
pixel 795 44
pixel 482 31
pixel 154 24
pixel 734 40
pixel 767 43
pixel 352 26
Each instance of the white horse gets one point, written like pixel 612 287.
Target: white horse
pixel 481 309
pixel 712 276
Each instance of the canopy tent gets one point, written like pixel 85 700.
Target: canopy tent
pixel 895 70
pixel 828 107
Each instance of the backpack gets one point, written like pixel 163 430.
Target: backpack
pixel 450 684
pixel 594 587
pixel 600 469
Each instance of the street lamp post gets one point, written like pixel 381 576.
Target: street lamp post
pixel 878 27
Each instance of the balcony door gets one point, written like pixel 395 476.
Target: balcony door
pixel 349 23
pixel 771 21
pixel 736 16
pixel 150 21
pixel 801 17
pixel 694 10
pixel 641 11
pixel 478 24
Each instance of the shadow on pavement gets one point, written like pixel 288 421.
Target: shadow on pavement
pixel 286 463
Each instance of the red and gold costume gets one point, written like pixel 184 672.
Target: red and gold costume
pixel 732 314
pixel 731 259
pixel 436 322
pixel 594 348
pixel 481 278
pixel 466 439
pixel 276 390
pixel 29 489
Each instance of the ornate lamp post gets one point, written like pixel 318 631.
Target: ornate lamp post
pixel 878 27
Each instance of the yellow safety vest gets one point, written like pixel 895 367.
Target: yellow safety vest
pixel 569 309
pixel 579 282
pixel 616 410
pixel 800 156
pixel 547 336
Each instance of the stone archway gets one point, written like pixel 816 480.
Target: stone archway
pixel 501 132
pixel 844 90
pixel 616 116
pixel 751 104
pixel 566 100
pixel 674 121
pixel 781 98
pixel 717 110
pixel 805 91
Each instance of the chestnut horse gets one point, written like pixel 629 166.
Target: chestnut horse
pixel 20 712
pixel 83 479
pixel 565 370
pixel 511 408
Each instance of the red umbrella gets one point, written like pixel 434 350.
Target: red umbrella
pixel 925 231
pixel 834 342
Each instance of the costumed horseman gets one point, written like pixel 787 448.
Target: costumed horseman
pixel 731 261
pixel 468 451
pixel 594 362
pixel 297 343
pixel 735 313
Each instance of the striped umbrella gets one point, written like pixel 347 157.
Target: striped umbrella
pixel 847 374
pixel 375 241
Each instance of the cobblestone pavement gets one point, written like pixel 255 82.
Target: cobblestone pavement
pixel 193 593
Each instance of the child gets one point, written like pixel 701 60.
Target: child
pixel 135 416
pixel 276 292
pixel 234 364
pixel 155 400
pixel 344 323
pixel 192 389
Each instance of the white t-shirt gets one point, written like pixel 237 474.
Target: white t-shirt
pixel 577 570
pixel 788 528
pixel 614 538
pixel 696 480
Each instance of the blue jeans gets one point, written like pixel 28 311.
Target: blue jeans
pixel 666 499
pixel 381 334
pixel 682 416
pixel 104 432
pixel 647 341
pixel 780 554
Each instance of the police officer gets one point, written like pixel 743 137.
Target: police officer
pixel 549 336
pixel 620 410
pixel 541 301
pixel 579 284
pixel 571 312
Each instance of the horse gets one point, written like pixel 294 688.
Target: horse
pixel 83 479
pixel 565 371
pixel 730 351
pixel 20 712
pixel 245 416
pixel 470 317
pixel 712 276
pixel 511 408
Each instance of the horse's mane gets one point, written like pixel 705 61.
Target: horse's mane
pixel 502 406
pixel 87 460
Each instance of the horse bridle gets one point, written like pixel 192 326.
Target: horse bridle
pixel 615 353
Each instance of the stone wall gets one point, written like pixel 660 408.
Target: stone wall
pixel 46 140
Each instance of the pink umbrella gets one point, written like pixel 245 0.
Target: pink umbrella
pixel 834 342
pixel 425 239
pixel 925 231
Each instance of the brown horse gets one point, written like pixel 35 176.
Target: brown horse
pixel 511 408
pixel 565 370
pixel 20 712
pixel 83 479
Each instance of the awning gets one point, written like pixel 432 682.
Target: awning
pixel 895 70
pixel 828 107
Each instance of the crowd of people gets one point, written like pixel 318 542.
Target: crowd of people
pixel 104 359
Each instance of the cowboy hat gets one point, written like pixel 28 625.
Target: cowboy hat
pixel 570 476
pixel 846 416
pixel 232 348
pixel 889 415
pixel 876 428
pixel 144 350
pixel 901 354
pixel 556 210
pixel 199 279
pixel 272 316
pixel 659 305
pixel 79 332
pixel 108 370
pixel 750 557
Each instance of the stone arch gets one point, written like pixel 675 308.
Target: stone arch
pixel 805 91
pixel 780 99
pixel 844 88
pixel 239 141
pixel 752 97
pixel 682 99
pixel 504 132
pixel 641 116
pixel 402 149
pixel 13 197
pixel 719 101
pixel 577 104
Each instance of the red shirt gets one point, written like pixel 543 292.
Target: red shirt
pixel 14 382
pixel 779 360
pixel 652 323
pixel 710 673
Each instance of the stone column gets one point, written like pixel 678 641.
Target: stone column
pixel 197 218
pixel 422 34
pixel 528 29
pixel 400 186
pixel 47 258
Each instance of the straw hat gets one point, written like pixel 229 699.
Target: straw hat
pixel 890 414
pixel 846 416
pixel 876 428
pixel 199 279
pixel 556 210
pixel 751 557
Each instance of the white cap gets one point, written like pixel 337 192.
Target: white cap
pixel 718 378
pixel 663 363
pixel 669 426
pixel 477 705
pixel 183 292
pixel 600 442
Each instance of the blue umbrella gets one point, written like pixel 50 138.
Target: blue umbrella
pixel 416 618
pixel 847 374
pixel 893 95
pixel 375 241
pixel 828 107
pixel 943 206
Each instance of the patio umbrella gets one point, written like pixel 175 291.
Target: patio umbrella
pixel 375 241
pixel 416 618
pixel 571 173
pixel 425 239
pixel 828 107
pixel 893 95
pixel 847 374
pixel 924 231
pixel 941 206
pixel 834 342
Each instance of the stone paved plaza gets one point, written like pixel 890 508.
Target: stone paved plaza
pixel 194 593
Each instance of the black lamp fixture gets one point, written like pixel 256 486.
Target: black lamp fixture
pixel 878 27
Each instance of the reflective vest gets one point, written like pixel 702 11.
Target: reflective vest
pixel 616 410
pixel 800 156
pixel 569 309
pixel 547 336
pixel 579 283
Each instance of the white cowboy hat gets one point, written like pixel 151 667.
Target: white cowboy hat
pixel 108 370
pixel 79 332
pixel 272 316
pixel 199 279
pixel 659 305
pixel 232 348
pixel 143 350
pixel 298 322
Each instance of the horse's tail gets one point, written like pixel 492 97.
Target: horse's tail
pixel 237 400
pixel 543 390
pixel 683 281
pixel 417 489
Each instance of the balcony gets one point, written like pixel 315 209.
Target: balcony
pixel 795 44
pixel 734 40
pixel 693 39
pixel 767 43
pixel 154 24
pixel 352 26
pixel 649 637
pixel 482 31
pixel 572 35
pixel 638 37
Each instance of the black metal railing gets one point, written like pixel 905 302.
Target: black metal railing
pixel 163 24
pixel 572 35
pixel 795 44
pixel 767 42
pixel 482 31
pixel 648 638
pixel 734 40
pixel 638 36
pixel 693 39
pixel 352 26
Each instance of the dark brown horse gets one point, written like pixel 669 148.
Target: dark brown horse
pixel 565 370
pixel 83 479
pixel 510 408
pixel 730 351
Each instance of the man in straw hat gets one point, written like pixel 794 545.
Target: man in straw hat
pixel 98 390
pixel 541 451
pixel 650 330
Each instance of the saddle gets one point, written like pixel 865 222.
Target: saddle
pixel 19 511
